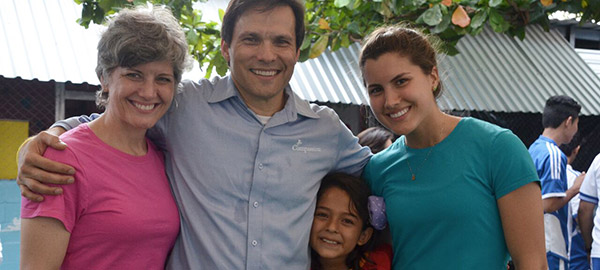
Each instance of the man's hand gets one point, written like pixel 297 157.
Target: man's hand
pixel 579 181
pixel 34 169
pixel 554 203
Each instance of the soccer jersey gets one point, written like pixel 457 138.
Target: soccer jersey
pixel 550 164
pixel 577 254
pixel 589 193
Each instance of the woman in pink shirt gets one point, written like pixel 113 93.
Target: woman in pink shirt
pixel 119 213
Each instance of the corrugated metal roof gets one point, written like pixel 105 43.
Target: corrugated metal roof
pixel 492 72
pixel 41 40
pixel 495 72
pixel 591 57
pixel 332 77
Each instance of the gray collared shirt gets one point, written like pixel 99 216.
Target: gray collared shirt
pixel 246 191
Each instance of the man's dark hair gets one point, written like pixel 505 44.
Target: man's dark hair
pixel 558 109
pixel 236 8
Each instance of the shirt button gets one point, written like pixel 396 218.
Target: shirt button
pixel 254 242
pixel 260 166
pixel 255 204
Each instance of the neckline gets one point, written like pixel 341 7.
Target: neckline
pixel 440 143
pixel 116 151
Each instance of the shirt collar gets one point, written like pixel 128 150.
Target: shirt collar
pixel 225 88
pixel 299 105
pixel 544 138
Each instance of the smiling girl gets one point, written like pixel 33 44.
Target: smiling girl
pixel 460 193
pixel 341 236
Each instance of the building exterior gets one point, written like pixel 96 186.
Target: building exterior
pixel 47 73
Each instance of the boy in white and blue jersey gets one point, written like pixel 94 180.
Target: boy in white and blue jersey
pixel 551 163
pixel 578 259
pixel 560 120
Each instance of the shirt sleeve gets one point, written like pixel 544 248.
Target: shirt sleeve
pixel 156 134
pixel 553 176
pixel 511 165
pixel 352 157
pixel 589 188
pixel 65 207
pixel 368 174
pixel 75 121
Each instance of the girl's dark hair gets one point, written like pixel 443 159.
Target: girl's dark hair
pixel 375 138
pixel 359 193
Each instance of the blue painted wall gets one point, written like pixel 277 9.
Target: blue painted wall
pixel 10 221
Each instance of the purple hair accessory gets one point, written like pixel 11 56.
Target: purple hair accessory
pixel 377 216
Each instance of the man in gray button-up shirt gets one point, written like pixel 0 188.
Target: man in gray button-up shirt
pixel 244 154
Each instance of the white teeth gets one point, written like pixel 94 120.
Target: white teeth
pixel 144 107
pixel 264 72
pixel 398 114
pixel 329 241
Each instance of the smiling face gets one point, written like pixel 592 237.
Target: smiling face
pixel 400 93
pixel 261 57
pixel 336 228
pixel 140 95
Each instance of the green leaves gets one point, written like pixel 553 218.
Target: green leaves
pixel 192 37
pixel 443 25
pixel 221 14
pixel 341 3
pixel 319 47
pixel 497 22
pixel 432 16
pixel 354 28
pixel 479 18
pixel 339 23
pixel 495 3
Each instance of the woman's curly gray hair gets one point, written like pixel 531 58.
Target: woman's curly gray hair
pixel 138 36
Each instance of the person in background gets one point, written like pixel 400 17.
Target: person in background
pixel 120 212
pixel 559 119
pixel 451 201
pixel 589 213
pixel 376 138
pixel 578 259
pixel 342 236
pixel 250 204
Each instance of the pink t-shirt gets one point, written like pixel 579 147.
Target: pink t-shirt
pixel 120 210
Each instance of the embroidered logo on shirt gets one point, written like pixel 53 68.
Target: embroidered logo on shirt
pixel 298 148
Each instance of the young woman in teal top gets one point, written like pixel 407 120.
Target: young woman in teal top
pixel 460 193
